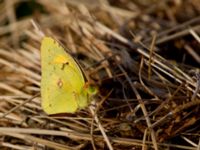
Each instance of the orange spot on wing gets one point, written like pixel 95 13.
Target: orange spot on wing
pixel 60 83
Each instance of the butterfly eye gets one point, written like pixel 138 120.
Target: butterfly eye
pixel 90 89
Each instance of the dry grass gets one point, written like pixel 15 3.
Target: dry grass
pixel 144 57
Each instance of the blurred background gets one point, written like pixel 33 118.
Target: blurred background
pixel 144 56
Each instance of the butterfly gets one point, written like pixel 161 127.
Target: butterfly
pixel 64 88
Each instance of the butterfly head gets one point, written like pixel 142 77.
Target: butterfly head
pixel 90 89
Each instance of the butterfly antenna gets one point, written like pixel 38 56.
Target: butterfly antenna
pixel 37 28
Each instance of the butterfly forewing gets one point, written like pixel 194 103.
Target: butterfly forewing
pixel 62 80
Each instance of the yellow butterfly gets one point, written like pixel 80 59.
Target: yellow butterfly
pixel 63 84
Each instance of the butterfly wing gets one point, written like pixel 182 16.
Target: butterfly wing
pixel 62 80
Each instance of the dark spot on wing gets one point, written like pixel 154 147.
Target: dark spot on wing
pixel 64 64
